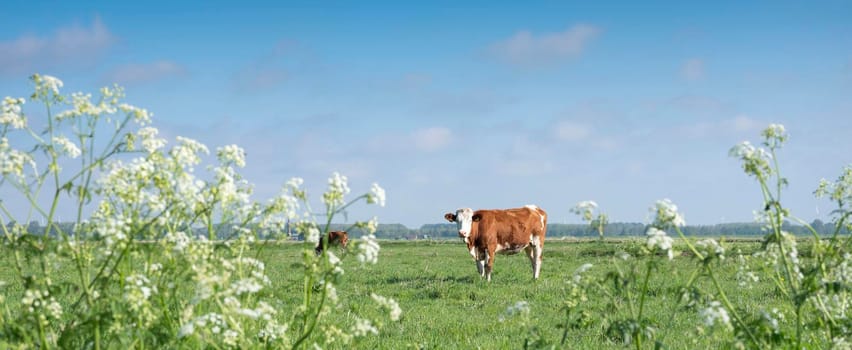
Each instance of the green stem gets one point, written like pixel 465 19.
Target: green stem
pixel 730 306
pixel 565 329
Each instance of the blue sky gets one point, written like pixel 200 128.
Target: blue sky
pixel 451 104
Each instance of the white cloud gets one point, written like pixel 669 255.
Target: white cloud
pixel 73 45
pixel 143 73
pixel 744 123
pixel 525 48
pixel 432 139
pixel 570 131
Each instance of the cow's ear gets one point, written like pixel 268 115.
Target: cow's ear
pixel 477 217
pixel 450 217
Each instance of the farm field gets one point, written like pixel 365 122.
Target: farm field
pixel 446 305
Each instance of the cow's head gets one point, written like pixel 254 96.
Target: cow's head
pixel 463 218
pixel 338 237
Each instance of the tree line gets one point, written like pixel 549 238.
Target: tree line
pixel 449 231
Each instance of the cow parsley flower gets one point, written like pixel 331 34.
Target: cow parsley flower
pixel 337 190
pixel 67 146
pixel 376 195
pixel 42 303
pixel 774 135
pixel 519 308
pixel 368 249
pixel 658 239
pixel 11 113
pixel 13 161
pixel 140 115
pixel 710 248
pixel 150 142
pixel 391 305
pixel 313 235
pixel 756 161
pixel 714 314
pixel 363 327
pixel 187 152
pixel 45 85
pixel 232 154
pixel 666 214
pixel 585 209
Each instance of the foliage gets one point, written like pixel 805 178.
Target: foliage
pixel 141 276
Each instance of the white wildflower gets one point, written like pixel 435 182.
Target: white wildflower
pixel 376 195
pixel 46 85
pixel 11 113
pixel 246 286
pixel 13 161
pixel 313 235
pixel 714 314
pixel 187 152
pixel 232 154
pixel 756 161
pixel 774 135
pixel 363 327
pixel 150 141
pixel 337 190
pixel 710 248
pixel 67 146
pixel 585 209
pixel 368 249
pixel 140 115
pixel 391 305
pixel 666 214
pixel 519 308
pixel 658 239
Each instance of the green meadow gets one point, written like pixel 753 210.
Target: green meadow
pixel 446 305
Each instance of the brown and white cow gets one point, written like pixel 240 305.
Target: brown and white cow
pixel 505 231
pixel 334 238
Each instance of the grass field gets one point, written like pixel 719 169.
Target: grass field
pixel 446 305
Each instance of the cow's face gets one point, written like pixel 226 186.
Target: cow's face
pixel 463 219
pixel 340 237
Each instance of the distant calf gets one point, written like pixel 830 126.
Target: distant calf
pixel 334 238
pixel 506 231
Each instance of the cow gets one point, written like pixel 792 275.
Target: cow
pixel 334 238
pixel 505 231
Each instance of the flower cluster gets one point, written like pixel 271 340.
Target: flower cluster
pixel 666 215
pixel 13 161
pixel 391 305
pixel 368 249
pixel 42 305
pixel 67 147
pixel 337 190
pixel 46 87
pixel 715 314
pixel 658 239
pixel 710 249
pixel 585 209
pixel 232 154
pixel 376 195
pixel 521 308
pixel 137 293
pixel 163 246
pixel 11 113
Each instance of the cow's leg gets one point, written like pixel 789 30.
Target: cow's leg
pixel 489 263
pixel 534 253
